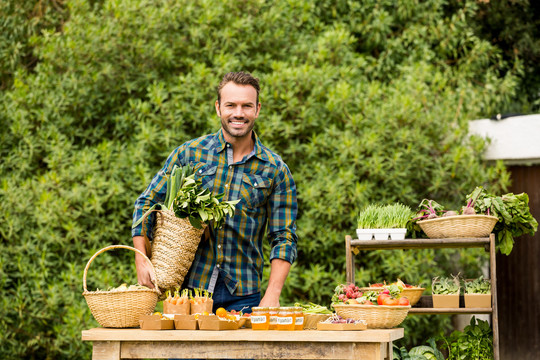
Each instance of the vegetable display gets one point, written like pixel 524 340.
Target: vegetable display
pixel 512 210
pixel 350 294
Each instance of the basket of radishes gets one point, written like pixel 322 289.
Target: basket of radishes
pixel 438 223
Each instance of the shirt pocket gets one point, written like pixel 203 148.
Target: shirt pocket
pixel 255 189
pixel 207 174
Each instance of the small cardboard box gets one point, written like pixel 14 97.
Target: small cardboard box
pixel 182 309
pixel 445 301
pixel 328 326
pixel 477 300
pixel 212 322
pixel 155 322
pixel 202 307
pixel 185 322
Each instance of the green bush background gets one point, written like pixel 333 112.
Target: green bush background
pixel 367 102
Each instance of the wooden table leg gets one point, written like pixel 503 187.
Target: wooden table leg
pixel 106 350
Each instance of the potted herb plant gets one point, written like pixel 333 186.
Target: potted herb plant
pixel 383 222
pixel 445 292
pixel 477 293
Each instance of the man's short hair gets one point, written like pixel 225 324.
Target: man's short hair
pixel 239 78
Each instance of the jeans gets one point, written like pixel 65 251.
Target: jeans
pixel 223 298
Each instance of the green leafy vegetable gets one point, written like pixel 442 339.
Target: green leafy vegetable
pixel 475 342
pixel 515 218
pixel 199 205
pixel 384 217
pixel 311 308
pixel 478 286
pixel 445 285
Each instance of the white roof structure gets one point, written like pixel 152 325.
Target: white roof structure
pixel 516 139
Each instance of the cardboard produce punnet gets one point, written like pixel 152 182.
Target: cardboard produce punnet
pixel 182 309
pixel 155 322
pixel 185 322
pixel 202 307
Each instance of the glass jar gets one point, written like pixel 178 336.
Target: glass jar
pixel 298 318
pixel 273 311
pixel 285 319
pixel 260 318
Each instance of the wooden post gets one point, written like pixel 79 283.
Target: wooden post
pixel 349 260
pixel 106 350
pixel 494 314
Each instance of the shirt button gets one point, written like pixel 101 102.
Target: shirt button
pixel 228 145
pixel 218 265
pixel 200 171
pixel 219 246
pixel 226 185
pixel 255 184
pixel 230 166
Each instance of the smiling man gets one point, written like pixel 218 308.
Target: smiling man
pixel 229 261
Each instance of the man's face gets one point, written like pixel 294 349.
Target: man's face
pixel 238 110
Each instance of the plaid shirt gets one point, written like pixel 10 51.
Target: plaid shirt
pixel 267 191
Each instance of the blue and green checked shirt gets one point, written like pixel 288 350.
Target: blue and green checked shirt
pixel 267 191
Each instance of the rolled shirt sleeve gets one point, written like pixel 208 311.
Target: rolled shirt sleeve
pixel 283 209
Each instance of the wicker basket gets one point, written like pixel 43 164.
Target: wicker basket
pixel 459 226
pixel 173 248
pixel 311 320
pixel 377 316
pixel 413 294
pixel 119 309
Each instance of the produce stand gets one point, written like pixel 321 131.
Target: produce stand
pixel 114 344
pixel 425 305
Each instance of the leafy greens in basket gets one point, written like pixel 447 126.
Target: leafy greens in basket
pixel 188 199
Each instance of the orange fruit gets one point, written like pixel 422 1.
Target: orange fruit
pixel 221 312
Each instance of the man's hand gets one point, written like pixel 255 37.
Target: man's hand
pixel 145 274
pixel 278 273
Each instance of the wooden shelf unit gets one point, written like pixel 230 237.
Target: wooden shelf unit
pixel 425 305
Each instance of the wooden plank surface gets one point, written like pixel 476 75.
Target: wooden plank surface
pixel 419 243
pixel 245 335
pixel 252 350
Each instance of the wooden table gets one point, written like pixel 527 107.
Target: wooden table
pixel 114 344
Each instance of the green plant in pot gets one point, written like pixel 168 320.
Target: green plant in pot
pixel 383 221
pixel 445 292
pixel 477 293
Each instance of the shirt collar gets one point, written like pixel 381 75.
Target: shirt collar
pixel 259 152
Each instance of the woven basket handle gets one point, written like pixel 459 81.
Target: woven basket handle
pixel 146 240
pixel 115 247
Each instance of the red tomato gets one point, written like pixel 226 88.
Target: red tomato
pixel 403 301
pixel 381 298
pixel 390 301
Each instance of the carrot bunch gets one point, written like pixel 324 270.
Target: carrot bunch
pixel 201 296
pixel 177 298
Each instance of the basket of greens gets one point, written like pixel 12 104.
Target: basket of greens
pixel 180 223
pixel 507 216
